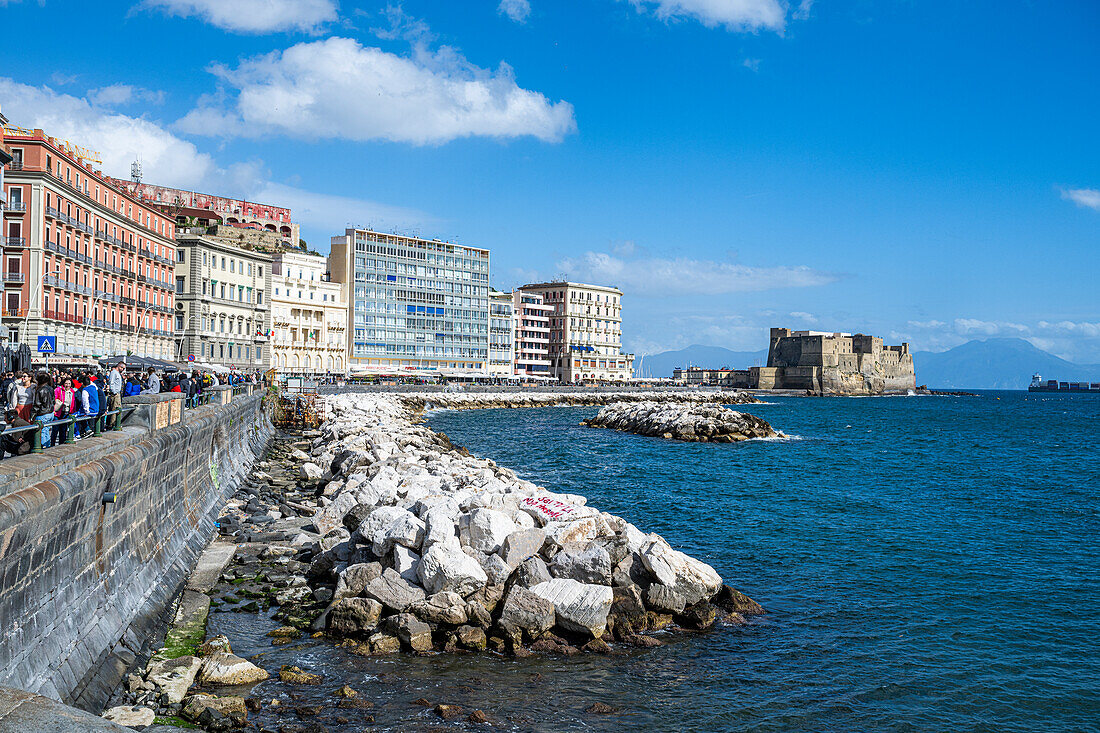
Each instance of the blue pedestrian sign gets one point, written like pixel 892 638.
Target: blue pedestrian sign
pixel 47 344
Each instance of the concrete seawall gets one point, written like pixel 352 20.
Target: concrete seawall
pixel 85 582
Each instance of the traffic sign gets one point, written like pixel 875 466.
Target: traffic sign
pixel 47 344
pixel 190 357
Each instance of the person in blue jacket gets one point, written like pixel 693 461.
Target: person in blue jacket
pixel 89 404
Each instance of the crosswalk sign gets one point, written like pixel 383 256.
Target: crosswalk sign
pixel 47 344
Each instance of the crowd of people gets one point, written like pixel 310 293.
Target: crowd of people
pixel 47 397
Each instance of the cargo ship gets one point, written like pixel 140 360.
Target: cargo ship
pixel 1053 385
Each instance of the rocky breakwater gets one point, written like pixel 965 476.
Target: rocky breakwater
pixel 697 423
pixel 482 400
pixel 424 547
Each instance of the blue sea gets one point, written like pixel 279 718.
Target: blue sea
pixel 927 564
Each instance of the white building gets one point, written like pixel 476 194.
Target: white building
pixel 585 331
pixel 309 317
pixel 502 352
pixel 532 319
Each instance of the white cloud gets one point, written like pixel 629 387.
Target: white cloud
pixel 1087 197
pixel 684 276
pixel 337 88
pixel 976 327
pixel 1071 328
pixel 120 139
pixel 803 316
pixel 517 10
pixel 122 94
pixel 253 16
pixel 735 15
pixel 751 64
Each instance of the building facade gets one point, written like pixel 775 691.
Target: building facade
pixel 309 317
pixel 414 305
pixel 585 331
pixel 834 363
pixel 82 261
pixel 208 208
pixel 502 329
pixel 532 335
pixel 223 315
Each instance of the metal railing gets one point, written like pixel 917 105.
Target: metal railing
pixel 15 206
pixel 14 241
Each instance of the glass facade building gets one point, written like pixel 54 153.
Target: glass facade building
pixel 414 304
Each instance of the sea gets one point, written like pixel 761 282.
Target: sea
pixel 927 563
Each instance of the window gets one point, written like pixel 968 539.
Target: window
pixel 180 257
pixel 259 297
pixel 179 284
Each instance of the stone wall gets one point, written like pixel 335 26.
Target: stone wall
pixel 837 364
pixel 84 582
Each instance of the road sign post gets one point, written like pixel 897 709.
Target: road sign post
pixel 47 345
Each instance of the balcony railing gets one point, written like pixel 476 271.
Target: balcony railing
pixel 15 165
pixel 14 277
pixel 15 312
pixel 15 207
pixel 14 241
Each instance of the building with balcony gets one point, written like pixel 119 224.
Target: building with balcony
pixel 188 206
pixel 532 335
pixel 81 260
pixel 309 317
pixel 502 333
pixel 414 305
pixel 585 331
pixel 222 310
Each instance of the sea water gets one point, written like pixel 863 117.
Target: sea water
pixel 927 564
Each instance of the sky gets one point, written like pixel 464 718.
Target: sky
pixel 924 171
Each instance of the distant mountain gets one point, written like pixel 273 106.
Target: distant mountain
pixel 1001 363
pixel 708 357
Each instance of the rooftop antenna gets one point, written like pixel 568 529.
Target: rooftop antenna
pixel 135 171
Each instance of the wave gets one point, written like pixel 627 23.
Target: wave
pixel 778 439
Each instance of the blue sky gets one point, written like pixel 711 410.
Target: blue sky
pixel 926 171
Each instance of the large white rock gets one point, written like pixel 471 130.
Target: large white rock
pixel 173 676
pixel 332 516
pixel 439 526
pixel 372 528
pixel 579 607
pixel 406 530
pixel 310 472
pixel 222 668
pixel 694 580
pixel 125 715
pixel 445 567
pixel 554 508
pixel 406 563
pixel 486 529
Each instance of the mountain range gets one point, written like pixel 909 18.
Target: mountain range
pixel 996 363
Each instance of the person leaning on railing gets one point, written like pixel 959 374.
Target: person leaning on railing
pixel 44 405
pixel 114 389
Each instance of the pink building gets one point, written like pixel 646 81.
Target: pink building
pixel 532 339
pixel 229 211
pixel 82 261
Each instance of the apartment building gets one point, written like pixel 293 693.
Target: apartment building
pixel 222 311
pixel 502 352
pixel 585 331
pixel 82 261
pixel 414 305
pixel 309 317
pixel 532 335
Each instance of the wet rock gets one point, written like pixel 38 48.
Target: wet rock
pixel 729 599
pixel 600 708
pixel 579 607
pixel 412 632
pixel 700 616
pixel 644 642
pixel 448 712
pixel 597 646
pixel 221 668
pixel 295 675
pixel 346 691
pixel 285 632
pixel 214 644
pixel 384 644
pixel 478 717
pixel 354 616
pixel 442 608
pixel 472 638
pixel 215 713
